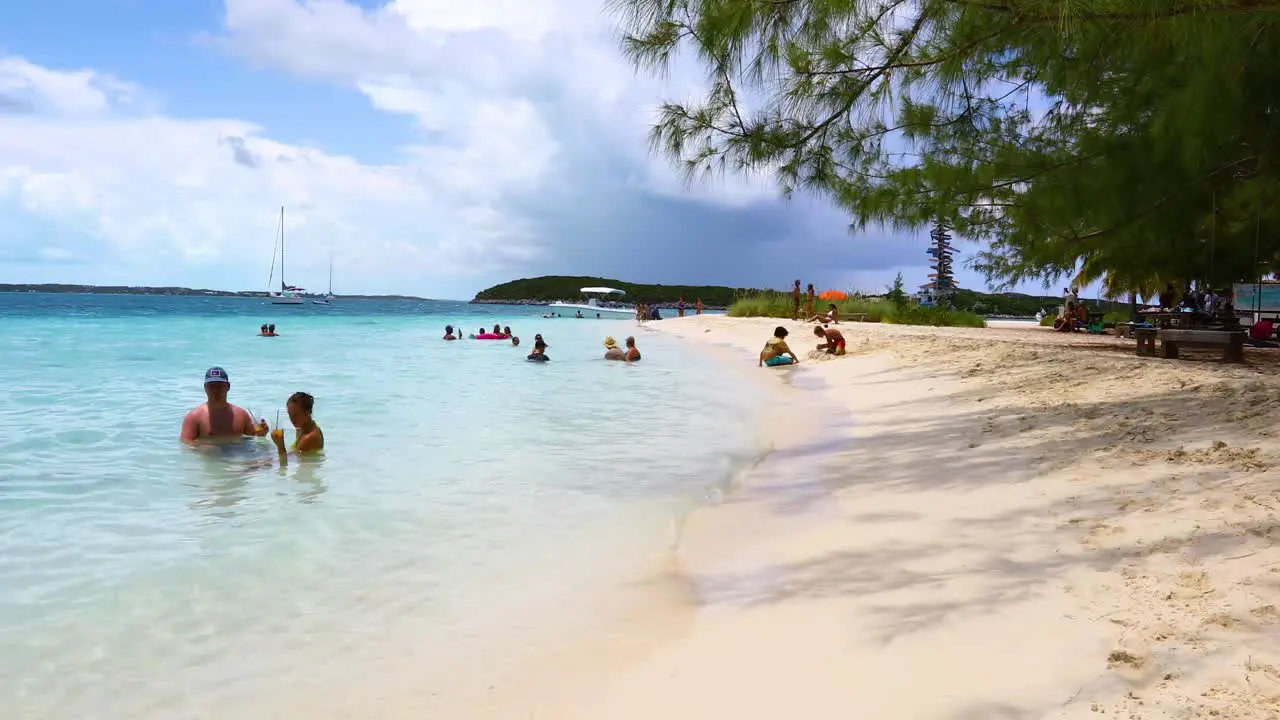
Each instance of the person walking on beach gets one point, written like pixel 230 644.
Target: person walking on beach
pixel 308 437
pixel 808 301
pixel 680 308
pixel 218 420
pixel 698 307
pixel 795 301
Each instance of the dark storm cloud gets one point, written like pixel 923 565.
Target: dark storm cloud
pixel 625 233
pixel 240 153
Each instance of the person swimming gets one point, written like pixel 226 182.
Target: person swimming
pixel 515 341
pixel 448 333
pixel 308 437
pixel 776 352
pixel 633 353
pixel 506 330
pixel 539 353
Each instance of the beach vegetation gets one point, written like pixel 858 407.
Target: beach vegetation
pixel 1123 141
pixel 897 295
pixel 774 304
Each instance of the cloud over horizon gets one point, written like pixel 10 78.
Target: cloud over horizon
pixel 430 147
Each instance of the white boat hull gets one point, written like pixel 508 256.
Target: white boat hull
pixel 572 309
pixel 286 300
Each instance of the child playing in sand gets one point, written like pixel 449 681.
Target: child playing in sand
pixel 776 352
pixel 308 438
pixel 833 340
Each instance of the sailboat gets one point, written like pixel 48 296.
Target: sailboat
pixel 289 294
pixel 328 298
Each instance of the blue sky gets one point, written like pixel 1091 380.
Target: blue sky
pixel 430 147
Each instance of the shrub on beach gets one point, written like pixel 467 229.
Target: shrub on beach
pixel 775 304
pixel 1048 320
pixel 936 316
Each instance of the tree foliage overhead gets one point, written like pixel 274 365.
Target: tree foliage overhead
pixel 1063 134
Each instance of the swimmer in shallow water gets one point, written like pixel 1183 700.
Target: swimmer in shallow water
pixel 448 333
pixel 539 353
pixel 308 437
pixel 633 353
pixel 218 420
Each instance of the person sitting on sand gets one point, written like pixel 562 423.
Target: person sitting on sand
pixel 308 437
pixel 633 353
pixel 831 318
pixel 218 420
pixel 776 351
pixel 448 333
pixel 612 351
pixel 833 340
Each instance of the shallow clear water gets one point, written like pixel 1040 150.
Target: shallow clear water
pixel 466 496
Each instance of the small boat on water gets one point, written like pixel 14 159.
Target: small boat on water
pixel 289 294
pixel 329 297
pixel 597 303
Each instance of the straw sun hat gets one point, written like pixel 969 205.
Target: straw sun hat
pixel 609 342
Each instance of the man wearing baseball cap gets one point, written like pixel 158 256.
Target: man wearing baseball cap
pixel 218 419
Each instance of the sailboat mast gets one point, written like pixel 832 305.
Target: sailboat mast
pixel 330 274
pixel 283 287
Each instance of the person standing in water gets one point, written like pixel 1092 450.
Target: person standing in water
pixel 633 354
pixel 308 437
pixel 612 351
pixel 218 420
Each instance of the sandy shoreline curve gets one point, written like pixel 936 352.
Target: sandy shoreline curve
pixel 986 524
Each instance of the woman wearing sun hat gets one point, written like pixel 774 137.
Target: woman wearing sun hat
pixel 612 351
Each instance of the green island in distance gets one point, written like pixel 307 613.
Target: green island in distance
pixel 542 290
pixel 171 291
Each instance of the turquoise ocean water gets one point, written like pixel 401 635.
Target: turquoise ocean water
pixel 467 499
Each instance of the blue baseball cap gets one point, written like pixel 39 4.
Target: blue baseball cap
pixel 216 375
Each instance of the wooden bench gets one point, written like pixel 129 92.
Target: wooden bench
pixel 1231 342
pixel 1146 340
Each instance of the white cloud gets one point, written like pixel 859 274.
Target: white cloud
pixel 507 94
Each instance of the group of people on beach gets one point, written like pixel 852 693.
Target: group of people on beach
pixel 217 421
pixel 539 354
pixel 776 352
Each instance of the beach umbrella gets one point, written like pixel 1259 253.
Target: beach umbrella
pixel 834 295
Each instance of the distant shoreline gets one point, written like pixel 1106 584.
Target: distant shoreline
pixel 64 289
pixel 667 305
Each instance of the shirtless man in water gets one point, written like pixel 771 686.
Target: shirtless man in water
pixel 218 420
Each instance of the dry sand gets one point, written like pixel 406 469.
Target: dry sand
pixel 983 524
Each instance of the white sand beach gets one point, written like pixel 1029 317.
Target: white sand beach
pixel 982 524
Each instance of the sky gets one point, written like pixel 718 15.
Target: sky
pixel 427 147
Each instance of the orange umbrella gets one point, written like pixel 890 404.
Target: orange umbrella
pixel 834 295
